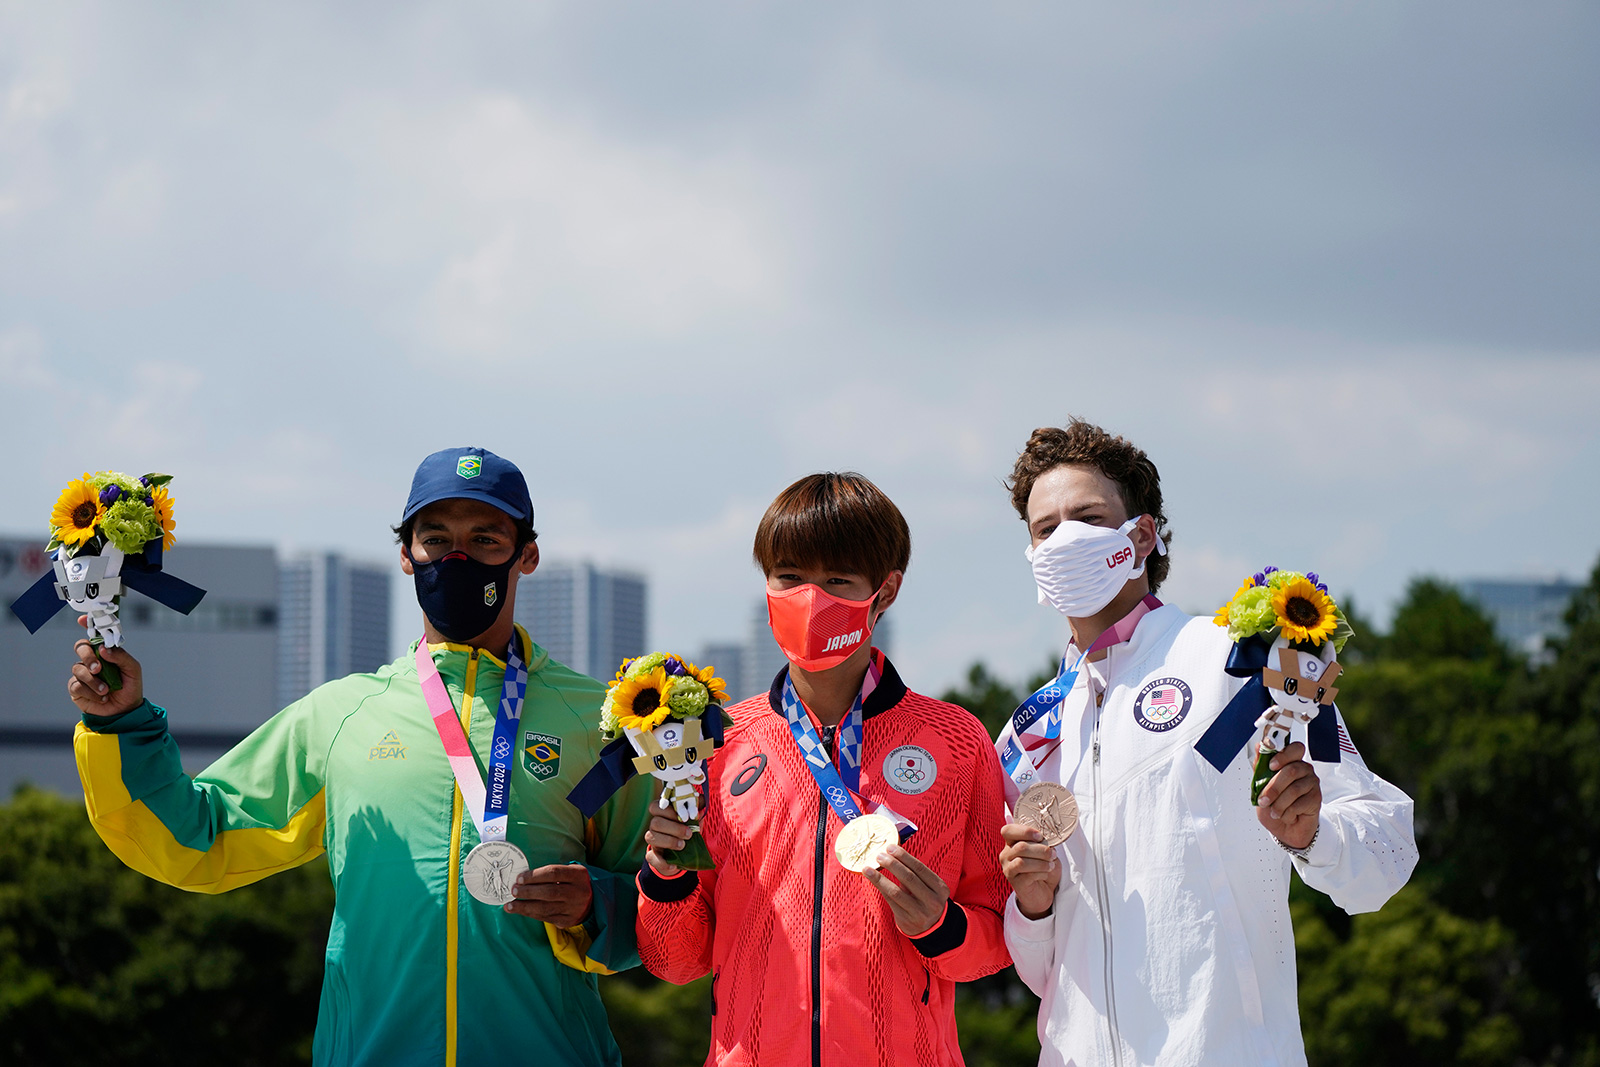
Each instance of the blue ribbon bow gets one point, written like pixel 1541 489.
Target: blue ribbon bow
pixel 615 766
pixel 142 572
pixel 1230 730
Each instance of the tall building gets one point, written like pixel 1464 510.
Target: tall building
pixel 334 621
pixel 213 670
pixel 587 618
pixel 728 659
pixel 1524 612
pixel 763 659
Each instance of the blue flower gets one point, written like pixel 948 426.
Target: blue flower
pixel 110 494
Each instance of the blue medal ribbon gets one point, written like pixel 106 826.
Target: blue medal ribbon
pixel 839 793
pixel 497 785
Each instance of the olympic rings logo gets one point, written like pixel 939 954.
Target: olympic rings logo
pixel 835 793
pixel 502 749
pixel 910 774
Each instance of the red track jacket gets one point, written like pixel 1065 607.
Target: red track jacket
pixel 807 965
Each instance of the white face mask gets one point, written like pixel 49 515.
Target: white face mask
pixel 1081 568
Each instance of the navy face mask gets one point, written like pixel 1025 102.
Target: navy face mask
pixel 461 596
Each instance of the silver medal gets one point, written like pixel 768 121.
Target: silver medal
pixel 491 869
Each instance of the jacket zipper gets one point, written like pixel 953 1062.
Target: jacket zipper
pixel 714 976
pixel 1101 893
pixel 927 983
pixel 816 912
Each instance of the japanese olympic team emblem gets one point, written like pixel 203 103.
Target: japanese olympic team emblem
pixel 469 466
pixel 1162 704
pixel 910 769
pixel 541 755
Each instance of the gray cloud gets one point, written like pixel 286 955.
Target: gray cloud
pixel 671 258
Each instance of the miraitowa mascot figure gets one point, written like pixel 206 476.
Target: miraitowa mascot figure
pixel 668 713
pixel 107 534
pixel 1287 633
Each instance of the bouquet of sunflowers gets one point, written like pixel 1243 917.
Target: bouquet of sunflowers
pixel 1286 626
pixel 1273 603
pixel 107 533
pixel 670 712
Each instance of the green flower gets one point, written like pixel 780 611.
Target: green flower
pixel 129 523
pixel 1251 612
pixel 686 696
pixel 1278 579
pixel 645 664
pixel 610 729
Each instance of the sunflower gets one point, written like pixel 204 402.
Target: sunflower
pixel 640 702
pixel 77 512
pixel 1305 612
pixel 163 505
pixel 1221 617
pixel 707 677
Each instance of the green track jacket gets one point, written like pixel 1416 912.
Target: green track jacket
pixel 418 972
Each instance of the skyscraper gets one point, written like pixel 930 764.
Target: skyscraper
pixel 1524 612
pixel 334 621
pixel 728 659
pixel 587 618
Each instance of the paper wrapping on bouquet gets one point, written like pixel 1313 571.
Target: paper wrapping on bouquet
pixel 39 604
pixel 1227 735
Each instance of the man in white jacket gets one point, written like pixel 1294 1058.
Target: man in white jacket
pixel 1158 933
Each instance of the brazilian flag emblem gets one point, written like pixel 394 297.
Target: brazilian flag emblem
pixel 541 755
pixel 469 466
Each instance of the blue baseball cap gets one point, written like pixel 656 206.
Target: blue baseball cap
pixel 470 474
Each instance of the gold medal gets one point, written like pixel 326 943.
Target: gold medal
pixel 859 843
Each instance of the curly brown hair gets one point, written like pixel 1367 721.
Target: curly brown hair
pixel 1117 458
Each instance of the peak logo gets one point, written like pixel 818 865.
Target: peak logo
pixel 843 641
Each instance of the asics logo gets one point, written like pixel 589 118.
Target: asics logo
pixel 748 774
pixel 843 641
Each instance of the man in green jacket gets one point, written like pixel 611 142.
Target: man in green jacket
pixel 418 970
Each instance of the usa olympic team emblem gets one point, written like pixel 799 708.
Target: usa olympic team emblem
pixel 1162 704
pixel 910 769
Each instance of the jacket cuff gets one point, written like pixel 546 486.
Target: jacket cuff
pixel 949 933
pixel 1325 848
pixel 134 719
pixel 1022 928
pixel 680 886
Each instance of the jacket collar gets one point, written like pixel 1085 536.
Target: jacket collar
pixel 533 657
pixel 1153 629
pixel 889 692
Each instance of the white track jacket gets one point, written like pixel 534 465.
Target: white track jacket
pixel 1170 942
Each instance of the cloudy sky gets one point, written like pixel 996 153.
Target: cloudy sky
pixel 1334 266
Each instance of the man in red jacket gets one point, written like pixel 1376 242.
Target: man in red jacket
pixel 812 962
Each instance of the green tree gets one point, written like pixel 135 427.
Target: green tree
pixel 99 964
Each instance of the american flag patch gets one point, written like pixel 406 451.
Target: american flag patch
pixel 1345 744
pixel 1164 697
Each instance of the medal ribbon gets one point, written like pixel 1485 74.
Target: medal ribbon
pixel 1037 720
pixel 494 799
pixel 839 784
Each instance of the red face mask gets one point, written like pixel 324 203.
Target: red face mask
pixel 817 630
